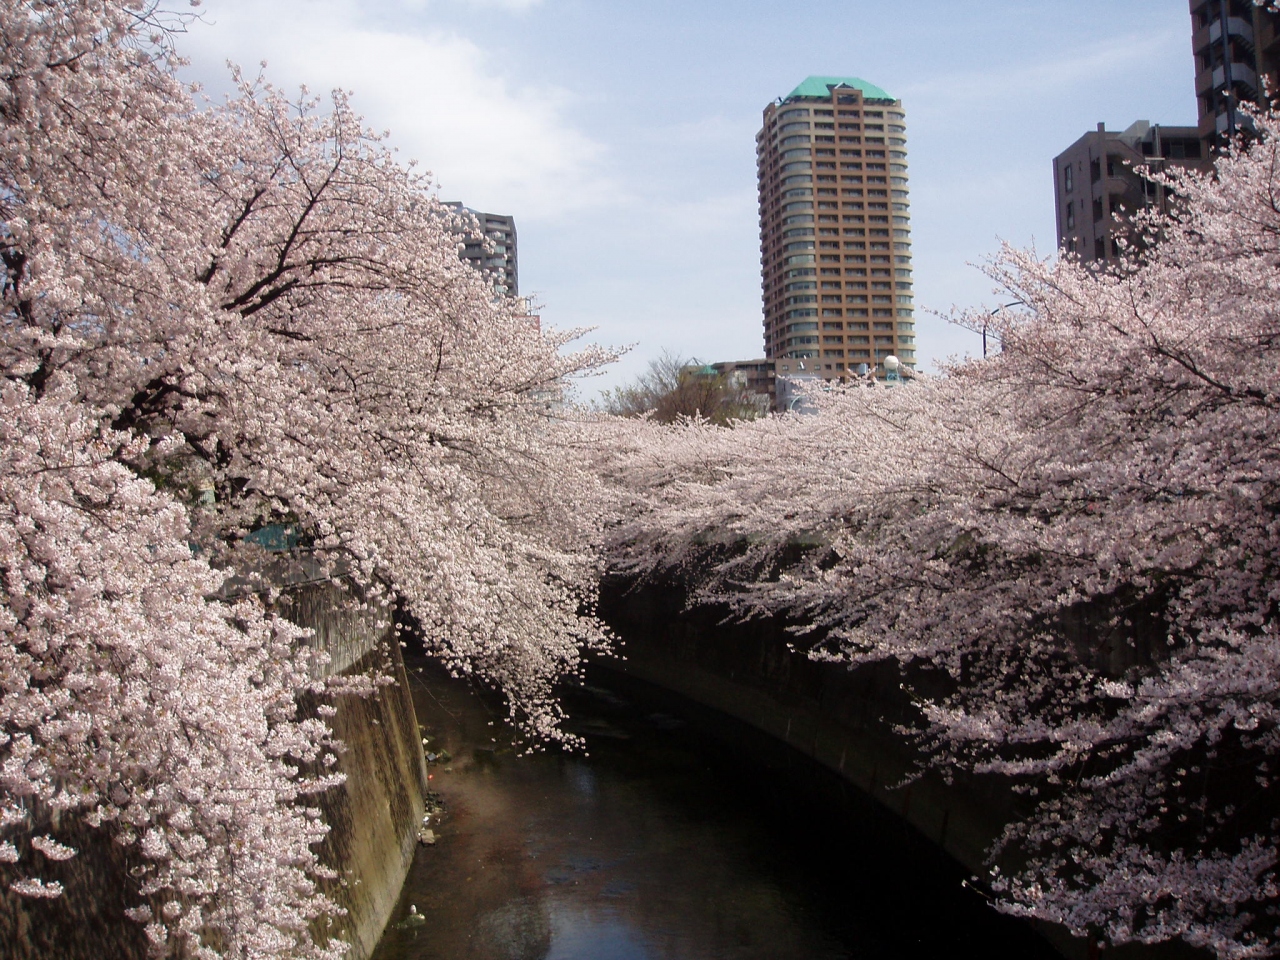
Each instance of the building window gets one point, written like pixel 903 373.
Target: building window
pixel 1071 214
pixel 1068 179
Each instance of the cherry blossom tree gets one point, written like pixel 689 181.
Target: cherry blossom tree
pixel 134 699
pixel 1071 547
pixel 219 318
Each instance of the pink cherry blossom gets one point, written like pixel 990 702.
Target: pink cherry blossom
pixel 220 317
pixel 1072 548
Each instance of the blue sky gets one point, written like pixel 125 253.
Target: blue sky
pixel 621 135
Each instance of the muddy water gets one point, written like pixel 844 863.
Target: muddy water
pixel 678 836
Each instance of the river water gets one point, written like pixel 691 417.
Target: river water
pixel 679 835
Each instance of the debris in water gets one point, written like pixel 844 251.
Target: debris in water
pixel 414 919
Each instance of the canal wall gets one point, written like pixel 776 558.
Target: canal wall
pixel 843 719
pixel 374 817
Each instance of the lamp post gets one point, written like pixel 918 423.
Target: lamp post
pixel 987 320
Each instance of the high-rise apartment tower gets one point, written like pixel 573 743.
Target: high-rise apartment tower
pixel 1236 44
pixel 835 239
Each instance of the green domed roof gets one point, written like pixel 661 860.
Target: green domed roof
pixel 820 87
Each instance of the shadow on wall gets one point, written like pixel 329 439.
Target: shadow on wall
pixel 843 719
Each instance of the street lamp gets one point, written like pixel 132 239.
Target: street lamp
pixel 987 320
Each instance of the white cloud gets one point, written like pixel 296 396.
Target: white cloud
pixel 493 143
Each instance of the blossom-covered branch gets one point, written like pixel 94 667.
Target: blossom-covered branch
pixel 1077 537
pixel 220 317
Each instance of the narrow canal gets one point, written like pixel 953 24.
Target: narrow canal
pixel 680 835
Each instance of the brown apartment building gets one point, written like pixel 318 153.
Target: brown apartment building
pixel 1236 45
pixel 835 230
pixel 1097 180
pixel 1099 183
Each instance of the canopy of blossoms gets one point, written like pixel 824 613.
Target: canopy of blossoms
pixel 1077 539
pixel 219 317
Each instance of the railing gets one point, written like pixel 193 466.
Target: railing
pixel 342 627
pixel 313 595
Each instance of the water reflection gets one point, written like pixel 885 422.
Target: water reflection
pixel 580 931
pixel 664 843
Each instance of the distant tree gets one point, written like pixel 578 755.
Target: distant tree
pixel 674 387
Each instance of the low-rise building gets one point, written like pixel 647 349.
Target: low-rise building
pixel 492 248
pixel 754 376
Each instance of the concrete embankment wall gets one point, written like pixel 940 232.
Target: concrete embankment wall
pixel 844 719
pixel 374 816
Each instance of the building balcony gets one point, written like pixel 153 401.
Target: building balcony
pixel 1239 74
pixel 1222 122
pixel 1199 40
pixel 1128 182
pixel 1236 27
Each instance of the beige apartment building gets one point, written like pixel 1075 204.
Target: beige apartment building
pixel 756 376
pixel 835 229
